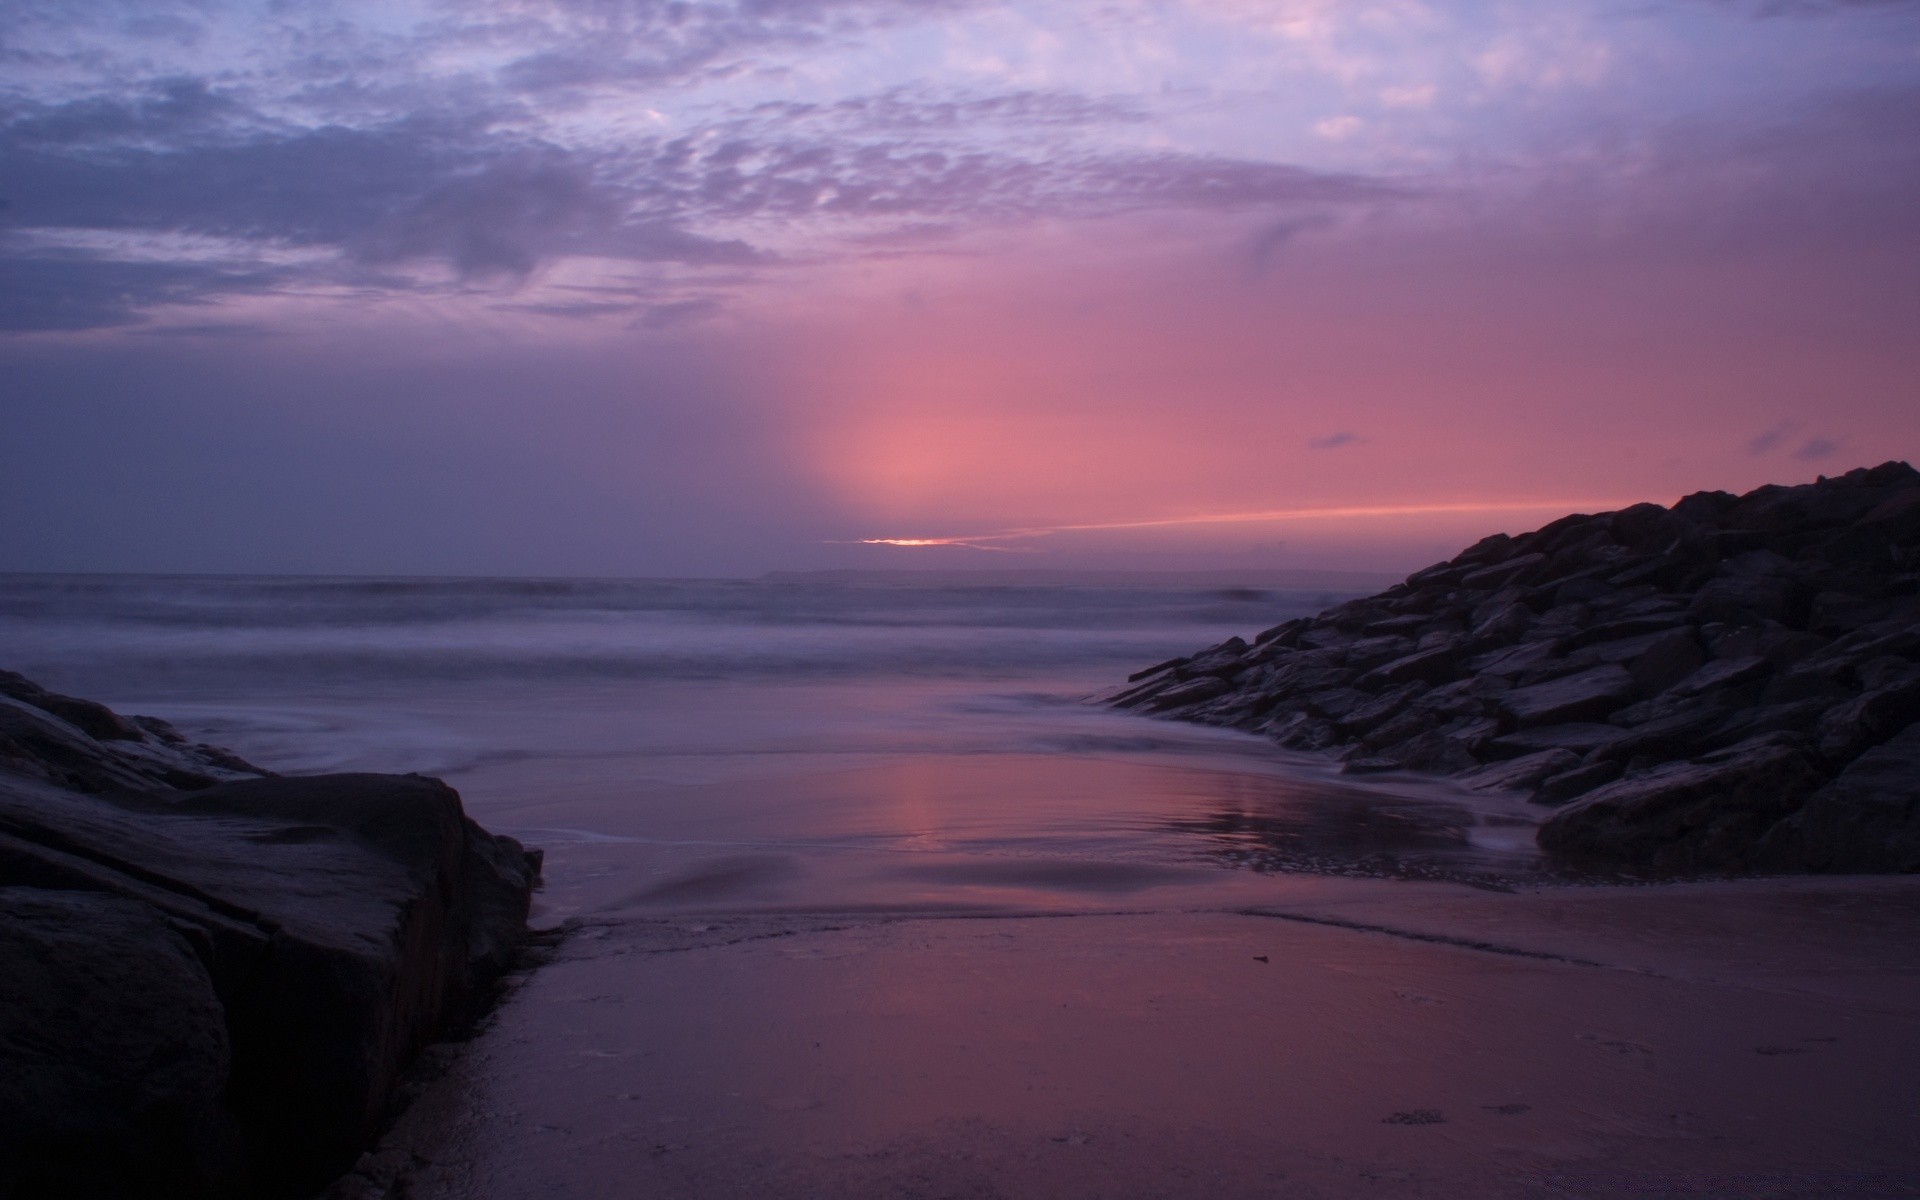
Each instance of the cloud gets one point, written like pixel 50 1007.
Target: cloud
pixel 1771 440
pixel 1334 441
pixel 492 204
pixel 1768 9
pixel 83 292
pixel 1816 448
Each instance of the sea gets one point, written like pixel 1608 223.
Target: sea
pixel 895 741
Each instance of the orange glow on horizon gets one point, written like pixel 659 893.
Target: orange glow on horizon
pixel 984 541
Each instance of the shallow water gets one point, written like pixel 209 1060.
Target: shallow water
pixel 773 744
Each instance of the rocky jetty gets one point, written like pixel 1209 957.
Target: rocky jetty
pixel 214 977
pixel 1728 684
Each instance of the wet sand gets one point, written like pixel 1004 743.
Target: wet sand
pixel 1303 1036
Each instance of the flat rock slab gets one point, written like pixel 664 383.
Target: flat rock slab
pixel 1404 1041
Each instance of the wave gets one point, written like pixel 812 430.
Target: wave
pixel 161 629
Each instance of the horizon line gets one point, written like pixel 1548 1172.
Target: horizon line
pixel 986 541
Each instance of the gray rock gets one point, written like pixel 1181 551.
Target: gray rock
pixel 1378 710
pixel 1515 660
pixel 1430 750
pixel 1787 617
pixel 1521 774
pixel 1337 704
pixel 1868 819
pixel 1587 696
pixel 1190 692
pixel 1424 666
pixel 1558 789
pixel 1706 814
pixel 1502 572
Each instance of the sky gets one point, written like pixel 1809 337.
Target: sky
pixel 718 287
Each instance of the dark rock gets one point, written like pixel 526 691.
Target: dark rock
pixel 1516 660
pixel 1424 666
pixel 332 924
pixel 1491 549
pixel 1724 673
pixel 1704 814
pixel 115 1055
pixel 1558 789
pixel 1663 644
pixel 1747 721
pixel 1666 661
pixel 1156 668
pixel 1302 731
pixel 1579 737
pixel 1430 750
pixel 1521 774
pixel 1759 585
pixel 1804 685
pixel 1636 626
pixel 1589 695
pixel 1192 691
pixel 1845 732
pixel 1868 819
pixel 1503 572
pixel 1364 718
pixel 35 741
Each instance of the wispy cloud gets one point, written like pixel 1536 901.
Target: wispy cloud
pixel 1334 441
pixel 1772 439
pixel 998 538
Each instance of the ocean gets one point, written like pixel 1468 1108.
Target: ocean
pixel 891 741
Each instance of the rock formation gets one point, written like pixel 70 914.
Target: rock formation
pixel 213 976
pixel 1731 683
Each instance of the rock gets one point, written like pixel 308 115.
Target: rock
pixel 1708 813
pixel 1521 774
pixel 1724 673
pixel 1868 819
pixel 1423 666
pixel 1585 696
pixel 1581 737
pixel 115 1053
pixel 36 741
pixel 1193 691
pixel 1156 669
pixel 1558 789
pixel 333 925
pixel 1665 662
pixel 1503 572
pixel 1651 642
pixel 1852 728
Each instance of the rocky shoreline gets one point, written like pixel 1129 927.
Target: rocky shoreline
pixel 216 978
pixel 1728 684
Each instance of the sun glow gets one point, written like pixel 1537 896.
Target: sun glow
pixel 988 541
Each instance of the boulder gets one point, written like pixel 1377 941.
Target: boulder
pixel 1702 814
pixel 1649 643
pixel 1867 819
pixel 331 925
pixel 115 1053
pixel 1521 774
pixel 1585 696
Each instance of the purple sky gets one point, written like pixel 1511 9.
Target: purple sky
pixel 634 287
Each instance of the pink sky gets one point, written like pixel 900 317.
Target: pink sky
pixel 564 289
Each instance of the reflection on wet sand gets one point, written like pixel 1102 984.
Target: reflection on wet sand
pixel 1288 825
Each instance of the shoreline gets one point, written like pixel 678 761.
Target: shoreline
pixel 1377 1038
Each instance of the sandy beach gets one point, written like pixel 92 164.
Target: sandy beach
pixel 1333 1038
